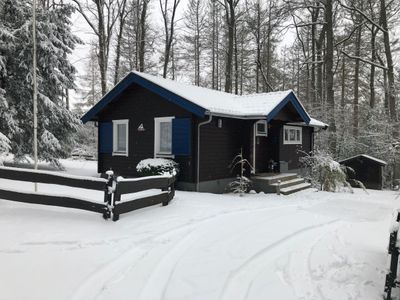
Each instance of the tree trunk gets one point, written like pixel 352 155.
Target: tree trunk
pixel 390 69
pixel 236 64
pixel 372 73
pixel 122 19
pixel 169 26
pixel 356 81
pixel 330 93
pixel 230 6
pixel 142 43
pixel 213 52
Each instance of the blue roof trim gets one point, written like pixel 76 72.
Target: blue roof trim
pixel 134 78
pixel 297 105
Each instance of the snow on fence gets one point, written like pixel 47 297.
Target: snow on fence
pixel 393 250
pixel 112 187
pixel 128 186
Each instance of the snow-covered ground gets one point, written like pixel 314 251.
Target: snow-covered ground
pixel 310 245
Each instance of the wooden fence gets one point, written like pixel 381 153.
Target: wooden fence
pixel 112 188
pixel 393 250
pixel 128 186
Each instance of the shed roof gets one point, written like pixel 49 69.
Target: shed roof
pixel 378 161
pixel 202 101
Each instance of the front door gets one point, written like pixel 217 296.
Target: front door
pixel 266 148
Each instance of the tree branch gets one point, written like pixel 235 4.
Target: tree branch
pixel 365 61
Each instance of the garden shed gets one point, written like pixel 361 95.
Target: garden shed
pixel 367 169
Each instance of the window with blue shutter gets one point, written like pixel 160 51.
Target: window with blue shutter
pixel 181 136
pixel 105 137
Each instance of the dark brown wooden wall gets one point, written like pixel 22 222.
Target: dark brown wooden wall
pixel 290 153
pixel 141 106
pixel 218 146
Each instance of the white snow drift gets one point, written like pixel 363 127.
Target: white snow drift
pixel 310 245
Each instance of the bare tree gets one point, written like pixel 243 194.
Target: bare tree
pixel 142 32
pixel 230 19
pixel 390 66
pixel 194 34
pixel 168 15
pixel 122 15
pixel 101 15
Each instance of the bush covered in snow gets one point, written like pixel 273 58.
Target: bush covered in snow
pixel 157 166
pixel 324 172
pixel 4 147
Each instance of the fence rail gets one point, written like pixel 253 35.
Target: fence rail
pixel 113 190
pixel 49 177
pixel 166 184
pixel 394 251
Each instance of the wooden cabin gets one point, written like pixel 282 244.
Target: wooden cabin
pixel 146 116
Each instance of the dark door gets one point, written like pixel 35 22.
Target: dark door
pixel 266 149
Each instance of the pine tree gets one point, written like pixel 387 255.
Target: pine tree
pixel 55 75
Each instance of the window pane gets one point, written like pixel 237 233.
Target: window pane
pixel 261 128
pixel 121 137
pixel 286 135
pixel 292 135
pixel 165 137
pixel 298 135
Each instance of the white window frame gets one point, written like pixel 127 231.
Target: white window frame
pixel 157 152
pixel 115 136
pixel 256 128
pixel 289 142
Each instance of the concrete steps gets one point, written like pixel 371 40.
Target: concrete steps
pixel 295 188
pixel 289 183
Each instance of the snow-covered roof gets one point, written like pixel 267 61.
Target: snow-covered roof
pixel 202 101
pixel 218 102
pixel 379 161
pixel 313 123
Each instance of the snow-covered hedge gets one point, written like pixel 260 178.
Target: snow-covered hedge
pixel 4 147
pixel 324 172
pixel 157 166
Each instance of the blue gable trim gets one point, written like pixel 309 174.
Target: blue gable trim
pixel 134 78
pixel 291 98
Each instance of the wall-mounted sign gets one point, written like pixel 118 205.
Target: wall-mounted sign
pixel 141 127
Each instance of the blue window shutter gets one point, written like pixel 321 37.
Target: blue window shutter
pixel 181 136
pixel 105 137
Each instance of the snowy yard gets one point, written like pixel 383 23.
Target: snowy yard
pixel 310 245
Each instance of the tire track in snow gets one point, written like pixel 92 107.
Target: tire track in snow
pixel 239 281
pixel 104 276
pixel 162 274
pixel 302 268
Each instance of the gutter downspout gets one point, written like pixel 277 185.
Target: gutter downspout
pixel 198 149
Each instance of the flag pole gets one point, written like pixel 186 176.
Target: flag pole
pixel 35 149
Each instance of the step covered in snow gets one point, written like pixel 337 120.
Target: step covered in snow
pixel 295 188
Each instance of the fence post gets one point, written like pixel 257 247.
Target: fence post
pixel 108 191
pixel 170 189
pixel 393 250
pixel 278 188
pixel 117 197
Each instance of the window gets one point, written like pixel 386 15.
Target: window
pixel 292 135
pixel 120 137
pixel 261 128
pixel 163 137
